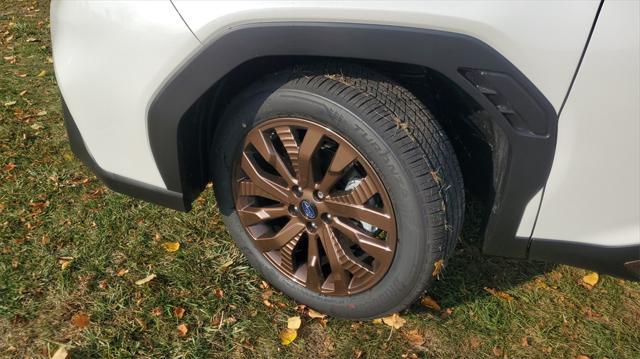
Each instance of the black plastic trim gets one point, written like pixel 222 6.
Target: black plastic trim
pixel 114 181
pixel 603 259
pixel 525 159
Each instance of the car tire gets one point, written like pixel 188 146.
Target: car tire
pixel 398 143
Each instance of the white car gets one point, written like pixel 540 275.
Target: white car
pixel 342 137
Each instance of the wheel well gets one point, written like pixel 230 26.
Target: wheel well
pixel 459 115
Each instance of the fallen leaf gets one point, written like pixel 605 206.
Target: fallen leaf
pixel 446 313
pixel 156 312
pixel 267 303
pixel 122 272
pixel 474 342
pixel 49 59
pixel 524 342
pixel 37 126
pixel 497 351
pixel 287 336
pixel 61 353
pixel 171 246
pixel 178 312
pixel 9 166
pixel 499 294
pixel 219 293
pixel 582 356
pixel 41 113
pixel 80 320
pixel 313 314
pixel 65 262
pixel 267 294
pixel 437 268
pixel 182 330
pixel 32 39
pixel 103 284
pixel 430 303
pixel 9 103
pixel 294 322
pixel 146 279
pixel 41 73
pixel 377 321
pixel 394 321
pixel 264 285
pixel 414 337
pixel 23 92
pixel 591 279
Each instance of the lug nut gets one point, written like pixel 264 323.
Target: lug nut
pixel 319 195
pixel 327 217
pixel 293 210
pixel 311 227
pixel 297 191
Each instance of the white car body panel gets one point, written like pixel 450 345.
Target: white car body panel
pixel 593 192
pixel 110 57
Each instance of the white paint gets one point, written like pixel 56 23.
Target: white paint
pixel 110 57
pixel 542 39
pixel 528 220
pixel 593 192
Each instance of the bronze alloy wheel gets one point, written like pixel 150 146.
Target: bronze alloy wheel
pixel 314 206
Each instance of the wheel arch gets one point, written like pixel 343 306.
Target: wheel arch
pixel 512 115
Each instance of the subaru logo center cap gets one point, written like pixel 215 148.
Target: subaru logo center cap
pixel 308 209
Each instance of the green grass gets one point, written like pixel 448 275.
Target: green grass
pixel 51 207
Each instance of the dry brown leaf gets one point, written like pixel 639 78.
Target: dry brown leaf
pixel 178 312
pixel 61 353
pixel 156 312
pixel 267 294
pixel 65 262
pixel 219 293
pixel 497 351
pixel 524 342
pixel 446 313
pixel 394 321
pixel 23 92
pixel 287 336
pixel 294 322
pixel 9 166
pixel 182 330
pixel 474 342
pixel 264 285
pixel 80 320
pixel 122 272
pixel 146 279
pixel 414 337
pixel 582 356
pixel 171 246
pixel 267 303
pixel 313 314
pixel 499 294
pixel 437 268
pixel 430 303
pixel 590 280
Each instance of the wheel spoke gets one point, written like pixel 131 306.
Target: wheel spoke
pixel 360 194
pixel 274 190
pixel 286 254
pixel 341 159
pixel 314 272
pixel 341 261
pixel 292 229
pixel 362 213
pixel 252 215
pixel 375 247
pixel 305 154
pixel 269 153
pixel 290 145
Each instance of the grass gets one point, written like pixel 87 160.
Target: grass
pixel 51 207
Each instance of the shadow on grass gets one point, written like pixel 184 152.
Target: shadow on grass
pixel 469 271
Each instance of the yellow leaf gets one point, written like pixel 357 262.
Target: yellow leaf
pixel 394 321
pixel 10 103
pixel 146 279
pixel 65 262
pixel 313 314
pixel 171 246
pixel 498 294
pixel 61 353
pixel 41 113
pixel 437 268
pixel 80 320
pixel 377 321
pixel 294 322
pixel 287 336
pixel 182 330
pixel 591 279
pixel 23 92
pixel 42 73
pixel 430 303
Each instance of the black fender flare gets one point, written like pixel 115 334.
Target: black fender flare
pixel 525 119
